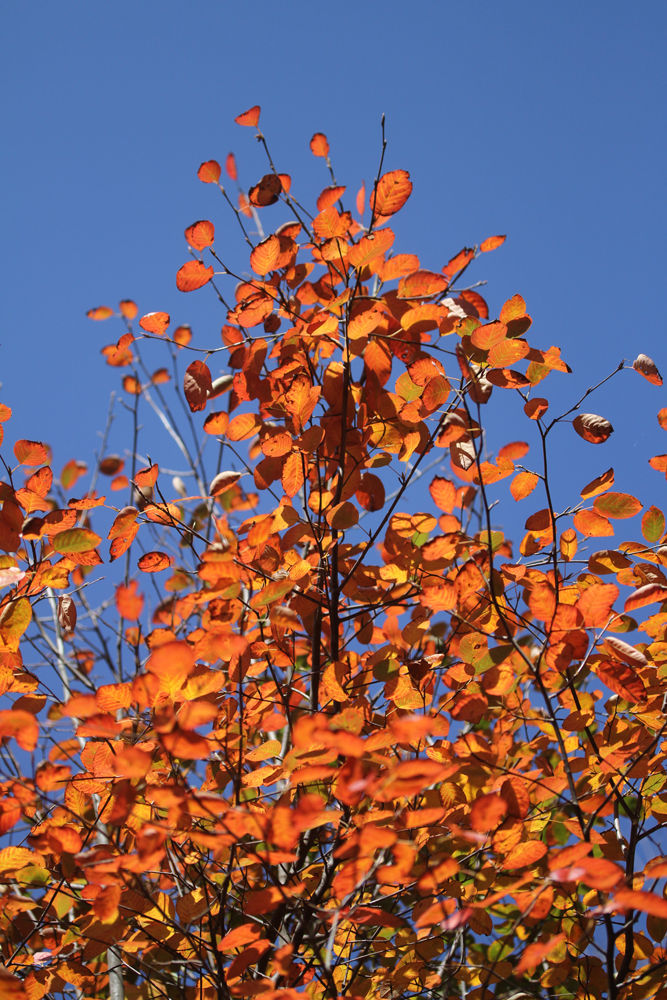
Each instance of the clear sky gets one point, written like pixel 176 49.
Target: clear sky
pixel 543 121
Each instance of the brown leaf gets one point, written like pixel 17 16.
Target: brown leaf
pixel 592 427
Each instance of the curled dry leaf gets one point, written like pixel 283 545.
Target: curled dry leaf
pixel 197 385
pixel 66 614
pixel 647 367
pixel 591 427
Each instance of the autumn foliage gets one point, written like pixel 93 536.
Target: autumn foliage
pixel 285 713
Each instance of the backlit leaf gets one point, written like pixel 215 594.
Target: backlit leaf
pixel 193 275
pixel 209 172
pixel 647 902
pixel 200 234
pixel 155 322
pixel 100 312
pixel 650 593
pixel 653 524
pixel 392 191
pixel 32 452
pixel 617 505
pixel 491 242
pixel 249 117
pixel 523 485
pixel 75 540
pixel 319 145
pixel 528 852
pixel 647 367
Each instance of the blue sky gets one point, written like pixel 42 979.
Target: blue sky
pixel 542 121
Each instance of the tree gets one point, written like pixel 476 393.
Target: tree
pixel 309 726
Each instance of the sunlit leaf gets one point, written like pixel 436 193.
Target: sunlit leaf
pixel 193 275
pixel 209 172
pixel 249 117
pixel 647 367
pixel 319 145
pixel 200 234
pixel 592 427
pixel 391 192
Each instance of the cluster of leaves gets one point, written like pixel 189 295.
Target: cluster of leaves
pixel 340 749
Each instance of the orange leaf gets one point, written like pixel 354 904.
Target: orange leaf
pixel 588 523
pixel 200 234
pixel 129 602
pixel 100 312
pixel 491 243
pixel 155 322
pixel 32 452
pixel 216 423
pixel 618 505
pixel 223 482
pixel 329 196
pixel 193 275
pixel 172 660
pixel 536 408
pixel 105 904
pixel 319 145
pixel 249 117
pixel 230 167
pixel 209 172
pixel 647 367
pixel 523 485
pixel 154 562
pixel 239 937
pixel 392 191
pixel 647 902
pixel 596 603
pixel 534 954
pixel 487 812
pixel 514 308
pixel 598 485
pixel 621 679
pixel 526 853
pixel 243 426
pixel 264 257
pixel 292 474
pixel 650 593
